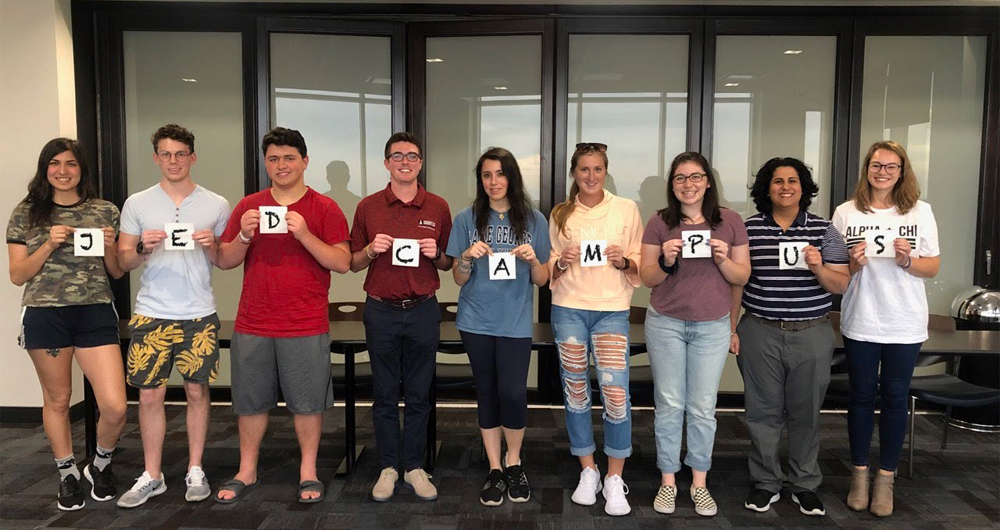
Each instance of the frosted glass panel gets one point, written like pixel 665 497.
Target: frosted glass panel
pixel 195 80
pixel 336 90
pixel 927 94
pixel 774 96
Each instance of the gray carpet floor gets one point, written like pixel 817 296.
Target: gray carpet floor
pixel 956 488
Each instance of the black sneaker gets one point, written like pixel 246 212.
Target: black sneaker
pixel 493 488
pixel 104 482
pixel 70 494
pixel 760 500
pixel 809 503
pixel 518 489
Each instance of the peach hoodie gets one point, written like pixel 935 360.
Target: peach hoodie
pixel 597 288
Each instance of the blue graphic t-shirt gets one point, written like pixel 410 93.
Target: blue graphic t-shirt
pixel 501 308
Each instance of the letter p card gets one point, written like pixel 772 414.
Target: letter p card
pixel 502 266
pixel 405 252
pixel 696 243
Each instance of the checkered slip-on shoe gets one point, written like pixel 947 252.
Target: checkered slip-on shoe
pixel 704 504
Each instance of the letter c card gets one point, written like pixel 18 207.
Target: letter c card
pixel 405 252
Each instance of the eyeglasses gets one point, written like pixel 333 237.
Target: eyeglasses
pixel 890 169
pixel 410 157
pixel 599 147
pixel 695 177
pixel 165 156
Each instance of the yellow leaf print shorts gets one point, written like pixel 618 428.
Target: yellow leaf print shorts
pixel 158 344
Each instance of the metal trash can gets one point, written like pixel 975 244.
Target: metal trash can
pixel 978 308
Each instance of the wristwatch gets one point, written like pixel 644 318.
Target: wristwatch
pixel 139 248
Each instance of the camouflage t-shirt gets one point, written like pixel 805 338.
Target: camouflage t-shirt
pixel 65 279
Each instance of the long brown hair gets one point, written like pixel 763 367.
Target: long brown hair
pixel 904 194
pixel 39 198
pixel 672 214
pixel 563 210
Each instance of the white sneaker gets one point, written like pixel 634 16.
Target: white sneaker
pixel 615 491
pixel 586 490
pixel 197 485
pixel 144 488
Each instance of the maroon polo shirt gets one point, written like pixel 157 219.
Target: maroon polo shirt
pixel 427 215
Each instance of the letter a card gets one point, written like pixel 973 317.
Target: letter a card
pixel 272 220
pixel 592 252
pixel 696 243
pixel 178 236
pixel 502 266
pixel 405 252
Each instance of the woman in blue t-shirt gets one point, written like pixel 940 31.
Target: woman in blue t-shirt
pixel 501 244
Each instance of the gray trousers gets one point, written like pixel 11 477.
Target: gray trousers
pixel 785 373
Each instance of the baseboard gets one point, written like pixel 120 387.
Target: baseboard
pixel 33 415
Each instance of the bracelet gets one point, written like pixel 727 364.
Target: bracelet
pixel 465 266
pixel 244 240
pixel 369 255
pixel 909 261
pixel 663 266
pixel 561 269
pixel 437 256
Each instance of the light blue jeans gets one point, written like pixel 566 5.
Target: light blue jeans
pixel 580 333
pixel 687 359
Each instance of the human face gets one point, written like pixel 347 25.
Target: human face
pixel 881 180
pixel 174 159
pixel 689 192
pixel 64 172
pixel 494 180
pixel 285 165
pixel 786 189
pixel 589 174
pixel 404 171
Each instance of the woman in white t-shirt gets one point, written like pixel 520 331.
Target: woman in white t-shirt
pixel 893 243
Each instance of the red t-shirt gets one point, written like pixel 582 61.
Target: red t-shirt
pixel 427 215
pixel 285 290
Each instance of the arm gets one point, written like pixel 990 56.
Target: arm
pixel 336 257
pixel 925 267
pixel 735 269
pixel 463 270
pixel 361 259
pixel 111 254
pixel 539 271
pixel 649 269
pixel 231 254
pixel 209 244
pixel 736 294
pixel 23 266
pixel 833 278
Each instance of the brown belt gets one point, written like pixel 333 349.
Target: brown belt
pixel 408 303
pixel 791 325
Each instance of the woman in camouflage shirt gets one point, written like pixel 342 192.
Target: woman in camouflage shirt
pixel 67 307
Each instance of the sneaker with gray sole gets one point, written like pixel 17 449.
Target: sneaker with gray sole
pixel 144 488
pixel 197 485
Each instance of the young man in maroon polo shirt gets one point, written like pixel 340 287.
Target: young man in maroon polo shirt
pixel 289 238
pixel 402 318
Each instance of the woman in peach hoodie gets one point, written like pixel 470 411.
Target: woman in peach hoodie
pixel 596 240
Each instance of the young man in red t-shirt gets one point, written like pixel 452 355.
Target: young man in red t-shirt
pixel 402 318
pixel 289 238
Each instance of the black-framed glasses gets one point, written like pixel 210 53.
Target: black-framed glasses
pixel 695 177
pixel 165 156
pixel 890 169
pixel 596 146
pixel 410 157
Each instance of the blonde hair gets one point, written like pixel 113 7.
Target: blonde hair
pixel 904 194
pixel 562 211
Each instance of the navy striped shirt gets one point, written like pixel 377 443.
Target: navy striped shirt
pixel 777 294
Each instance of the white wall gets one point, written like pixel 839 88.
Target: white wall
pixel 37 103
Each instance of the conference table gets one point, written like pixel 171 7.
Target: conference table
pixel 348 338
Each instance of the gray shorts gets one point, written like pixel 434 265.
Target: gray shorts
pixel 298 366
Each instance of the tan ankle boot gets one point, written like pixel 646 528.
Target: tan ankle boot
pixel 857 498
pixel 882 495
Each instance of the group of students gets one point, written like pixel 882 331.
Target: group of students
pixel 702 261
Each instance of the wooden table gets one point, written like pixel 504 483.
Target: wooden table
pixel 348 338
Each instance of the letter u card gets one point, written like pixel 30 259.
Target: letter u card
pixel 790 256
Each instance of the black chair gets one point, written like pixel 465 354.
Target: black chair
pixel 349 312
pixel 950 391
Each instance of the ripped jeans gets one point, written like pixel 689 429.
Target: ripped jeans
pixel 579 334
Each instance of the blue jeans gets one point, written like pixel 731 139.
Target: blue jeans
pixel 687 359
pixel 580 333
pixel 892 386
